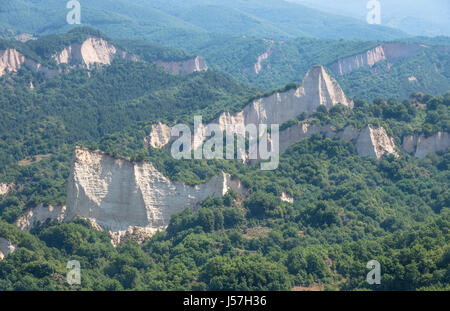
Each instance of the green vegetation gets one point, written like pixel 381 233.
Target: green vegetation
pixel 347 210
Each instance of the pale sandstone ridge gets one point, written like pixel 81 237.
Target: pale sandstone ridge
pixel 6 188
pixel 184 67
pixel 40 215
pixel 420 146
pixel 118 195
pixel 387 51
pixel 6 247
pixel 92 51
pixel 317 88
pixel 369 142
pixel 12 60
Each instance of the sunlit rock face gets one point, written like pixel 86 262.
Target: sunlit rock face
pixel 12 60
pixel 118 194
pixel 420 146
pixel 318 88
pixel 369 142
pixel 91 52
pixel 391 52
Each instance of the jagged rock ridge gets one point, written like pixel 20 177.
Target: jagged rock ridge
pixel 318 88
pixel 12 60
pixel 92 51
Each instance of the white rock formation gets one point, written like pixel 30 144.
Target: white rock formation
pixel 184 67
pixel 318 88
pixel 40 215
pixel 369 142
pixel 6 188
pixel 387 51
pixel 118 194
pixel 92 51
pixel 6 247
pixel 374 142
pixel 12 60
pixel 420 146
pixel 159 136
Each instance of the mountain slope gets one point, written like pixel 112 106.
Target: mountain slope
pixel 181 19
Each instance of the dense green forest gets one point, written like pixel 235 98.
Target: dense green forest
pixel 176 21
pixel 346 210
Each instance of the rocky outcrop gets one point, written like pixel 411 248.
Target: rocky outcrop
pixel 420 146
pixel 369 142
pixel 184 67
pixel 91 52
pixel 6 188
pixel 317 88
pixel 6 247
pixel 258 66
pixel 40 215
pixel 159 136
pixel 12 60
pixel 388 51
pixel 119 195
pixel 374 142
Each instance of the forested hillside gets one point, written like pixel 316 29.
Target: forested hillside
pixel 343 210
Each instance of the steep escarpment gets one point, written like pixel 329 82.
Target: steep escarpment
pixel 12 60
pixel 420 146
pixel 369 142
pixel 117 194
pixel 90 52
pixel 318 88
pixel 184 67
pixel 6 247
pixel 388 51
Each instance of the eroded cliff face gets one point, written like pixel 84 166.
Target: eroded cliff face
pixel 92 51
pixel 318 88
pixel 118 195
pixel 12 60
pixel 420 146
pixel 159 136
pixel 184 67
pixel 374 142
pixel 387 51
pixel 369 142
pixel 40 215
pixel 6 247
